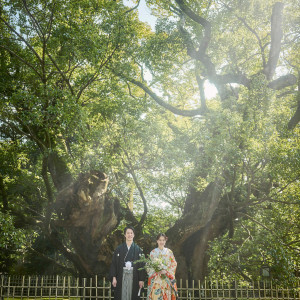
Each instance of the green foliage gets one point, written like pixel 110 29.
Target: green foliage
pixel 13 242
pixel 64 90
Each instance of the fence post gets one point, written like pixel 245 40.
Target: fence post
pixel 199 289
pixel 64 286
pixel 180 284
pixel 50 287
pixel 109 293
pixel 91 292
pixel 223 291
pixel 22 289
pixel 187 290
pixel 84 284
pixel 1 290
pixel 42 282
pixel 96 286
pixel 35 286
pixel 29 284
pixel 13 291
pixel 193 289
pixel 56 287
pixel 235 289
pixel 77 288
pixel 69 287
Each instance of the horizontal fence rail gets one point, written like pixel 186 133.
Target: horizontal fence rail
pixel 59 287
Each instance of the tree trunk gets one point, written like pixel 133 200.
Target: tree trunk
pixel 205 218
pixel 88 215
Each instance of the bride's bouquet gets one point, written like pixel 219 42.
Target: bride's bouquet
pixel 157 264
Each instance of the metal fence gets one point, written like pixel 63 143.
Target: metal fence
pixel 59 287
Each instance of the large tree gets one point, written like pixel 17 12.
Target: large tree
pixel 54 70
pixel 247 51
pixel 88 93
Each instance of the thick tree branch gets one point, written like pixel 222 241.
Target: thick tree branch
pixel 202 94
pixel 206 61
pixel 200 20
pixel 191 50
pixel 161 102
pixel 296 117
pixel 133 8
pixel 175 10
pixel 276 37
pixel 232 78
pixel 283 94
pixel 282 82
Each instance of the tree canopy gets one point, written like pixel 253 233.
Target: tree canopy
pixel 105 122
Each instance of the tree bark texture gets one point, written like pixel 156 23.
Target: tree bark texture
pixel 88 215
pixel 205 217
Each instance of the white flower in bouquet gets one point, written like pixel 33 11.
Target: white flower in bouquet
pixel 157 264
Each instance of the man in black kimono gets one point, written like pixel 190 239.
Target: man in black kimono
pixel 125 276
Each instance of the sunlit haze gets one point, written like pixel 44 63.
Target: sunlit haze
pixel 145 16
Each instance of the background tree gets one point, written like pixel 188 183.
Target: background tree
pixel 53 54
pixel 86 86
pixel 235 48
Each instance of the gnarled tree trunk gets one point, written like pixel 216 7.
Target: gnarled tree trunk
pixel 205 217
pixel 86 213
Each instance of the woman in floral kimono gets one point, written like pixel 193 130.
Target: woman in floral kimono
pixel 161 285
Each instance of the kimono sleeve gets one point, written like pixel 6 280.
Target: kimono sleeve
pixel 113 272
pixel 151 271
pixel 140 265
pixel 172 264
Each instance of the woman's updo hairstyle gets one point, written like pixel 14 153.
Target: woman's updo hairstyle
pixel 161 234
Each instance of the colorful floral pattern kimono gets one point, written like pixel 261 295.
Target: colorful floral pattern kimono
pixel 162 287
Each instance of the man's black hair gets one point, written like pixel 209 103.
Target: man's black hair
pixel 128 227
